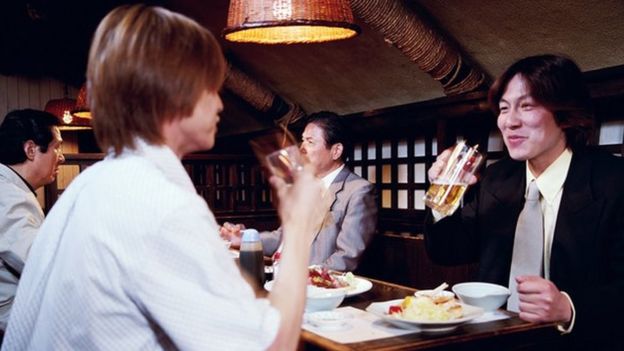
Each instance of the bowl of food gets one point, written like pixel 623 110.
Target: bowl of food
pixel 326 289
pixel 485 295
pixel 429 314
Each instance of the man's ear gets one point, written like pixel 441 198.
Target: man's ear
pixel 30 149
pixel 336 151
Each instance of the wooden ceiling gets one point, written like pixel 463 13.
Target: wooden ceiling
pixel 362 74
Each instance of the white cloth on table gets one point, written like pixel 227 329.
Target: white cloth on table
pixel 20 219
pixel 130 258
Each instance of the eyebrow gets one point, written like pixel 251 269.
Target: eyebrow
pixel 520 98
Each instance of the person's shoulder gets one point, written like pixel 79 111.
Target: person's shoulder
pixel 603 159
pixel 141 181
pixel 605 168
pixel 502 170
pixel 356 181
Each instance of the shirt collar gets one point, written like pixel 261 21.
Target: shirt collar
pixel 550 182
pixel 23 180
pixel 328 179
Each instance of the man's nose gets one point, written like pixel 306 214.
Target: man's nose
pixel 302 149
pixel 61 158
pixel 512 119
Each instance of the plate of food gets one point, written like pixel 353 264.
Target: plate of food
pixel 433 315
pixel 320 278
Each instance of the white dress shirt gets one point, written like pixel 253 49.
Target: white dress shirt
pixel 550 185
pixel 329 178
pixel 130 258
pixel 20 219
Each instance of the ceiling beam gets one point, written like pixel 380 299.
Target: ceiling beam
pixel 422 43
pixel 262 98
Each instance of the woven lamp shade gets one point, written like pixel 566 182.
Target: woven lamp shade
pixel 61 108
pixel 65 110
pixel 289 21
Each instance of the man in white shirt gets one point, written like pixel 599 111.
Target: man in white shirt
pixel 130 256
pixel 351 222
pixel 30 153
pixel 543 113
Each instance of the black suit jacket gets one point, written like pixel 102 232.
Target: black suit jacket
pixel 587 259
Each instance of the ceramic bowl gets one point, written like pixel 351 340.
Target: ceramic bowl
pixel 485 295
pixel 320 299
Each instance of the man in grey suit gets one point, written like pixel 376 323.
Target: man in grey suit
pixel 351 222
pixel 30 153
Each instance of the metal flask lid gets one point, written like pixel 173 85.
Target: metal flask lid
pixel 250 235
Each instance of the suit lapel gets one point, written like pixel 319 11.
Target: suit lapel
pixel 335 187
pixel 508 188
pixel 579 213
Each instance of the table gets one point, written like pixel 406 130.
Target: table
pixel 507 334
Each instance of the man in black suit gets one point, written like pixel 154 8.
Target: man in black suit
pixel 543 113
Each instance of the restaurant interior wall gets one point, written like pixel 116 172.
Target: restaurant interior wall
pixel 393 150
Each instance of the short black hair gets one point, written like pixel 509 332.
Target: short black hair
pixel 334 131
pixel 18 127
pixel 557 83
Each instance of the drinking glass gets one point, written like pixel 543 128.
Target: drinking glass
pixel 279 153
pixel 448 188
pixel 285 162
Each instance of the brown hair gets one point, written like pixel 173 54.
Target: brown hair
pixel 557 83
pixel 147 66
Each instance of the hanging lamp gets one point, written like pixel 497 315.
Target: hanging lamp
pixel 64 109
pixel 289 21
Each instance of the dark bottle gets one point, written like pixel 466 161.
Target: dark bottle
pixel 251 256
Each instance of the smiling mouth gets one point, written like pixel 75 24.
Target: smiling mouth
pixel 515 138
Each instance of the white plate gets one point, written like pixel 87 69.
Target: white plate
pixel 359 286
pixel 381 310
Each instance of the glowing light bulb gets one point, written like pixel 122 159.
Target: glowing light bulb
pixel 67 117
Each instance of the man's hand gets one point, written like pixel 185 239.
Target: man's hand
pixel 541 301
pixel 232 233
pixel 301 205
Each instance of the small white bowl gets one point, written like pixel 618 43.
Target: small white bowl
pixel 485 295
pixel 320 299
pixel 328 320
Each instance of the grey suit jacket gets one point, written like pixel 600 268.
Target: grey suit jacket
pixel 20 219
pixel 348 226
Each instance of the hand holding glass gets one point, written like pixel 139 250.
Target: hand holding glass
pixel 278 152
pixel 447 189
pixel 284 163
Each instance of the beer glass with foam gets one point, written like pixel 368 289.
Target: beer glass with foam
pixel 446 191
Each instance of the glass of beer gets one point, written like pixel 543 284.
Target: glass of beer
pixel 447 189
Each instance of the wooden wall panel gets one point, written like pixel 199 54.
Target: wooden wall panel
pixel 19 92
